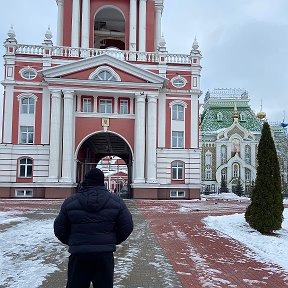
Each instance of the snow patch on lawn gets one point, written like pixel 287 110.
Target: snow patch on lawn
pixel 271 249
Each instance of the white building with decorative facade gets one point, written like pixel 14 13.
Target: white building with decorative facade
pixel 230 133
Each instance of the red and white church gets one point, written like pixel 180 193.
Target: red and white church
pixel 108 87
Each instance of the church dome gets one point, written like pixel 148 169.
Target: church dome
pixel 261 115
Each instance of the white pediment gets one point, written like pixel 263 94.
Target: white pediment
pixel 88 63
pixel 235 128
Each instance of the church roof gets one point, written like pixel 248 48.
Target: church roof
pixel 218 114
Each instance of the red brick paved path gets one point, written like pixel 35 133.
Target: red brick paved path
pixel 199 255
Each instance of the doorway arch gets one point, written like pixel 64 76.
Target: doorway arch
pixel 103 145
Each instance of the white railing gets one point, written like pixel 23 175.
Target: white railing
pixel 90 52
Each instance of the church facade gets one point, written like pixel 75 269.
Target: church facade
pixel 230 133
pixel 107 88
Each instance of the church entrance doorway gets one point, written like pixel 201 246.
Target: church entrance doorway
pixel 110 153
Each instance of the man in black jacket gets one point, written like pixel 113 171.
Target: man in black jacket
pixel 92 222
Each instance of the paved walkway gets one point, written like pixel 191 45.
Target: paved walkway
pixel 169 247
pixel 199 255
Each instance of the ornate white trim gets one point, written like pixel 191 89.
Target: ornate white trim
pixel 179 102
pixel 178 77
pixel 30 95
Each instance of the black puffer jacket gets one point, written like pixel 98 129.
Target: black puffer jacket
pixel 93 220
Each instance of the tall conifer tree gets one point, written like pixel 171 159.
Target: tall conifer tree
pixel 265 213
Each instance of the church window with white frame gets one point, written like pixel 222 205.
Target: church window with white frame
pixel 27 105
pixel 208 174
pixel 105 106
pixel 177 170
pixel 248 154
pixel 26 135
pixel 178 112
pixel 247 175
pixel 223 154
pixel 224 173
pixel 23 193
pixel 177 194
pixel 25 167
pixel 177 139
pixel 124 107
pixel 87 105
pixel 208 159
pixel 236 170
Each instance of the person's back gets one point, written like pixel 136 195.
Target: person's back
pixel 92 222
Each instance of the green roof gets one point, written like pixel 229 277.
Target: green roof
pixel 209 122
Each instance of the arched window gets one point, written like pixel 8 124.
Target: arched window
pixel 178 170
pixel 208 159
pixel 247 175
pixel 109 28
pixel 248 154
pixel 25 166
pixel 105 75
pixel 219 116
pixel 236 170
pixel 223 154
pixel 236 145
pixel 178 112
pixel 224 174
pixel 27 105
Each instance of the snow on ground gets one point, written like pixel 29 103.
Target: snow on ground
pixel 271 249
pixel 9 217
pixel 23 252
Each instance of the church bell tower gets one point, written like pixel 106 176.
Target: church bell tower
pixel 118 24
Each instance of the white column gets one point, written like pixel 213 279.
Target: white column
pixel 131 106
pixel 68 136
pixel 133 25
pixel 161 120
pixel 158 16
pixel 194 122
pixel 45 116
pixel 8 112
pixel 55 129
pixel 75 23
pixel 85 23
pixel 151 139
pixel 60 21
pixel 116 104
pixel 142 25
pixel 139 149
pixel 95 104
pixel 79 103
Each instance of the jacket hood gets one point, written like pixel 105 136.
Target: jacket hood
pixel 93 198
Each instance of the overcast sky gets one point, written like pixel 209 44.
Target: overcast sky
pixel 244 43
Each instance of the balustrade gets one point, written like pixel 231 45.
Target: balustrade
pixel 70 52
